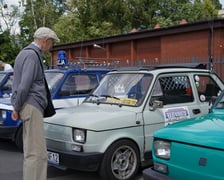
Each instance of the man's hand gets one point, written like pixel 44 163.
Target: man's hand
pixel 15 116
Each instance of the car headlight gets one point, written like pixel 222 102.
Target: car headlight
pixel 162 149
pixel 3 114
pixel 79 135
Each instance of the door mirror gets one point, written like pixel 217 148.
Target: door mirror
pixel 155 104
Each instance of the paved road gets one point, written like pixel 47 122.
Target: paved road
pixel 11 166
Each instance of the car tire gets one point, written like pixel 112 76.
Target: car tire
pixel 19 138
pixel 120 161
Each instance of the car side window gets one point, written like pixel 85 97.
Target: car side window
pixel 8 85
pixel 78 84
pixel 85 83
pixel 206 87
pixel 175 89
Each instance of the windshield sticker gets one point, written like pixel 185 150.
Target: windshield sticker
pixel 202 97
pixel 197 78
pixel 172 115
pixel 119 89
pixel 125 101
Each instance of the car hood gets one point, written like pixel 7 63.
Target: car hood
pixel 207 130
pixel 94 117
pixel 5 103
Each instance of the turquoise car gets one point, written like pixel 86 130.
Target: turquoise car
pixel 192 149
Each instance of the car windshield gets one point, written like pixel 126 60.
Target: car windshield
pixel 6 84
pixel 121 88
pixel 53 78
pixel 219 104
pixel 2 76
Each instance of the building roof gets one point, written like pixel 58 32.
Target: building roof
pixel 180 28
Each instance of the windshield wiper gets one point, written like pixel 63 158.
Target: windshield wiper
pixel 94 95
pixel 109 96
pixel 97 98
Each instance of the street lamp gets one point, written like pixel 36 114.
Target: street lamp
pixel 98 46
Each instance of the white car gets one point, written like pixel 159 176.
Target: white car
pixel 112 130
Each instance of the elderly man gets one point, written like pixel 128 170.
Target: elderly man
pixel 29 99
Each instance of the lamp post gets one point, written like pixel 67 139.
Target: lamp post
pixel 98 46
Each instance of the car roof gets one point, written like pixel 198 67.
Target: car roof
pixel 78 70
pixel 6 72
pixel 163 68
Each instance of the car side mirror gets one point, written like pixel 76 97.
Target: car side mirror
pixel 212 100
pixel 155 104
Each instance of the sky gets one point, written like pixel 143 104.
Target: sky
pixel 16 2
pixel 222 2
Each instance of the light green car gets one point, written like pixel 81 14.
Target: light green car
pixel 112 130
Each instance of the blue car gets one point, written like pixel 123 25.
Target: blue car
pixel 6 78
pixel 68 86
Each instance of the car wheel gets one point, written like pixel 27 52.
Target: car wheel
pixel 121 161
pixel 19 138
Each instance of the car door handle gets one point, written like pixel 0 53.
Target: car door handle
pixel 196 111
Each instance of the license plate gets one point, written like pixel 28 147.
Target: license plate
pixel 53 157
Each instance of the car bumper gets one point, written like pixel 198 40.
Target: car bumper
pixel 150 174
pixel 78 160
pixel 7 131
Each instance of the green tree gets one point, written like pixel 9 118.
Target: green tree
pixel 79 20
pixel 39 13
pixel 172 12
pixel 82 21
pixel 97 18
pixel 217 4
pixel 9 17
pixel 9 46
pixel 86 19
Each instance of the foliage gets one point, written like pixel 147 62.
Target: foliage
pixel 96 18
pixel 9 47
pixel 175 11
pixel 76 32
pixel 9 17
pixel 79 20
pixel 38 13
pixel 8 27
